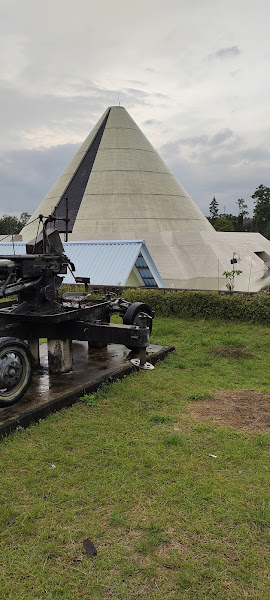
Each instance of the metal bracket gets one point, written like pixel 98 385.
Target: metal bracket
pixel 147 366
pixel 141 362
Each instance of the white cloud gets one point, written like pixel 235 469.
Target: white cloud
pixel 193 75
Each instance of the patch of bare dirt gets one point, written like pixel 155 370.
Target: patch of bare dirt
pixel 248 410
pixel 232 352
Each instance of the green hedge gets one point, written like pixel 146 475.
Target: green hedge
pixel 254 308
pixel 208 305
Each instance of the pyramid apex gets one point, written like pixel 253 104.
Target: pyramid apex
pixel 117 182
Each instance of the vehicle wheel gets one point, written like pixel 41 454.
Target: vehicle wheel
pixel 16 367
pixel 132 317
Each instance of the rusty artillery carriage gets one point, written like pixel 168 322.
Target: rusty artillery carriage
pixel 38 312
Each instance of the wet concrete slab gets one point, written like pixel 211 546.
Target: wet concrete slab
pixel 49 393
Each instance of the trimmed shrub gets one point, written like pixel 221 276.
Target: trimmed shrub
pixel 203 304
pixel 187 304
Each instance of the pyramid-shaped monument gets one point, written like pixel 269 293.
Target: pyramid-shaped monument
pixel 117 187
pixel 117 182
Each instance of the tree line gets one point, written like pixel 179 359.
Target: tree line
pixel 260 220
pixel 10 224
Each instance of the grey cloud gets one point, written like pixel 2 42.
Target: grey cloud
pixel 170 149
pixel 158 95
pixel 229 170
pixel 235 73
pixel 29 112
pixel 201 141
pixel 225 53
pixel 223 181
pixel 140 93
pixel 27 175
pixel 256 155
pixel 135 82
pixel 197 140
pixel 152 122
pixel 76 111
pixel 220 137
pixel 131 96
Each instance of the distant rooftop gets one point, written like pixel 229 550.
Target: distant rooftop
pixel 109 262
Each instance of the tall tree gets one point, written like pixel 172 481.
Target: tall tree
pixel 24 218
pixel 261 214
pixel 223 224
pixel 9 224
pixel 242 212
pixel 213 210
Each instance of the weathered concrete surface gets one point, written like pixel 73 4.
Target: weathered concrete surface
pixel 50 392
pixel 59 356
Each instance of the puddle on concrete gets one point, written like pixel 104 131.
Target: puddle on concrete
pixel 88 367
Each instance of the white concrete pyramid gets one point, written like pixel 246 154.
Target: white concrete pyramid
pixel 118 187
pixel 118 183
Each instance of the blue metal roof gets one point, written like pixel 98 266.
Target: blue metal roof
pixel 105 262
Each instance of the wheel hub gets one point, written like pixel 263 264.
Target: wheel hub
pixel 10 371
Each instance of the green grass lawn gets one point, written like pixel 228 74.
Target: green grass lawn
pixel 133 474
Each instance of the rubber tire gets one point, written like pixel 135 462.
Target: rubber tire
pixel 132 312
pixel 9 344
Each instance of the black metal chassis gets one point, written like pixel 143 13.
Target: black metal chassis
pixel 38 313
pixel 88 323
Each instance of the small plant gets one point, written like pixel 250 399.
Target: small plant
pixel 157 418
pixel 174 439
pixel 89 400
pixel 20 429
pixel 230 285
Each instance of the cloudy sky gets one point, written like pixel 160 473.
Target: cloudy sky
pixel 193 75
